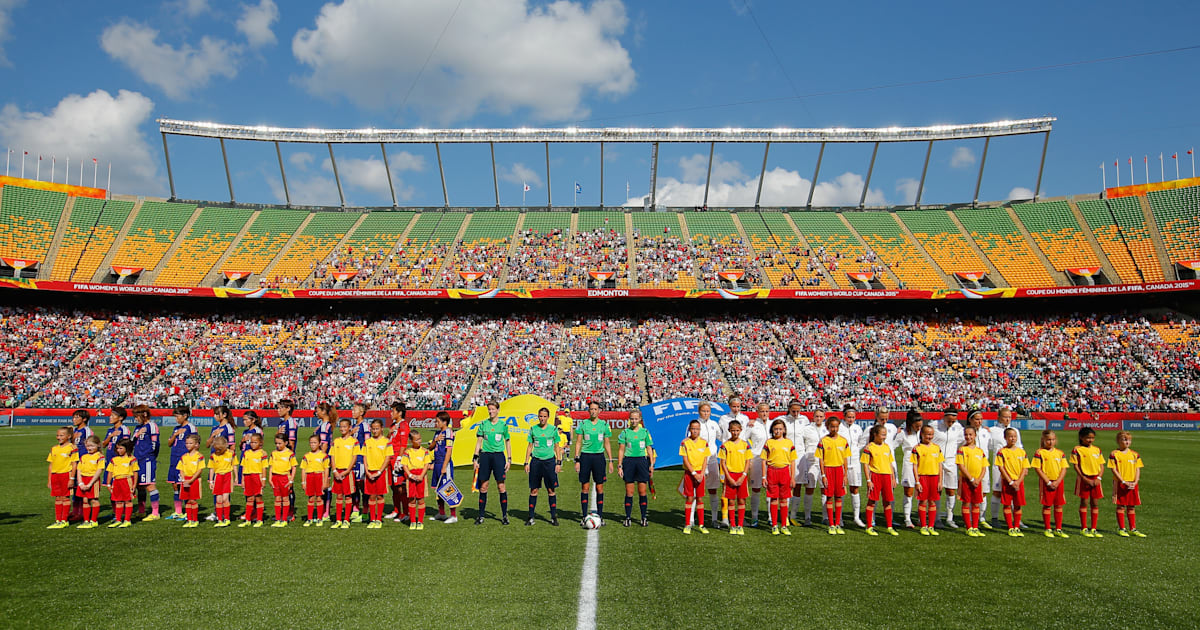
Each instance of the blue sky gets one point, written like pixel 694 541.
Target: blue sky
pixel 88 79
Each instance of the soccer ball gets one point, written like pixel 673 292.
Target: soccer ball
pixel 592 521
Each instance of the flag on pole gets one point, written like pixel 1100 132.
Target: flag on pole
pixel 578 189
pixel 525 189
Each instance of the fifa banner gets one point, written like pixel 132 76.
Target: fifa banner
pixel 667 421
pixel 519 413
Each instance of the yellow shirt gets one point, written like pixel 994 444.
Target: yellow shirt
pixel 972 459
pixel 375 452
pixel 1051 462
pixel 90 464
pixel 735 455
pixel 695 453
pixel 928 459
pixel 190 464
pixel 1089 458
pixel 415 460
pixel 122 467
pixel 223 463
pixel 61 457
pixel 779 453
pixel 315 462
pixel 343 451
pixel 283 462
pixel 1012 461
pixel 833 451
pixel 1125 463
pixel 879 458
pixel 254 461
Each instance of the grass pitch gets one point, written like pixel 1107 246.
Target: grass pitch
pixel 463 576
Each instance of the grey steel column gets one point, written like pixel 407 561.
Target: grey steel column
pixel 1041 165
pixel 862 202
pixel 924 170
pixel 170 175
pixel 601 174
pixel 286 196
pixel 653 175
pixel 762 174
pixel 549 197
pixel 708 177
pixel 228 179
pixel 336 178
pixel 437 146
pixel 495 180
pixel 387 168
pixel 816 173
pixel 982 161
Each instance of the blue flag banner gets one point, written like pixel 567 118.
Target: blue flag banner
pixel 447 491
pixel 667 421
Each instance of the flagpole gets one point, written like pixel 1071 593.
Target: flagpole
pixel 1117 168
pixel 524 187
pixel 95 171
pixel 1103 178
pixel 1192 152
pixel 1132 182
pixel 67 172
pixel 1176 158
pixel 23 154
pixel 53 166
pixel 1146 163
pixel 38 176
pixel 108 186
pixel 1162 174
pixel 7 161
pixel 80 172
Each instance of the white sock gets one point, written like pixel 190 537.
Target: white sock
pixel 808 501
pixel 908 509
pixel 950 501
pixel 716 508
pixel 983 506
pixel 857 501
pixel 995 510
pixel 754 499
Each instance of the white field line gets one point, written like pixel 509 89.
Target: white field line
pixel 585 619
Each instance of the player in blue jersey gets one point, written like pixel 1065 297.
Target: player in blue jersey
pixel 291 431
pixel 327 419
pixel 178 443
pixel 145 451
pixel 79 418
pixel 443 466
pixel 362 431
pixel 117 431
pixel 223 428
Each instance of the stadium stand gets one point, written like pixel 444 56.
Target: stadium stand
pixel 833 245
pixel 883 235
pixel 314 243
pixel 417 262
pixel 1126 241
pixel 599 244
pixel 367 250
pixel 1003 244
pixel 484 249
pixel 1055 230
pixel 211 235
pixel 154 229
pixel 90 234
pixel 524 361
pixel 664 259
pixel 541 254
pixel 35 345
pixel 1177 213
pixel 755 364
pixel 442 371
pixel 677 360
pixel 780 255
pixel 28 220
pixel 268 234
pixel 719 247
pixel 599 362
pixel 942 240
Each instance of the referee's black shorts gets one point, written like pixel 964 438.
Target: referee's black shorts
pixel 490 465
pixel 591 468
pixel 541 472
pixel 636 469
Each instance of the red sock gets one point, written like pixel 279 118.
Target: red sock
pixel 829 512
pixel 1058 516
pixel 454 512
pixel 1095 516
pixel 194 513
pixel 741 516
pixel 261 509
pixel 687 514
pixel 870 515
pixel 1120 519
pixel 129 512
pixel 837 513
pixel 921 514
pixel 1008 517
pixel 1132 519
pixel 700 513
pixel 1046 517
pixel 279 511
pixel 1083 518
pixel 420 514
pixel 310 511
pixel 887 514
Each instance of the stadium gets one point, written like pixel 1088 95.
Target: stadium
pixel 192 312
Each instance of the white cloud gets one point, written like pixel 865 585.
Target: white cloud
pixel 371 176
pixel 6 7
pixel 730 186
pixel 193 8
pixel 501 55
pixel 518 173
pixel 301 160
pixel 256 22
pixel 99 126
pixel 907 187
pixel 962 157
pixel 314 190
pixel 1020 192
pixel 177 71
pixel 367 175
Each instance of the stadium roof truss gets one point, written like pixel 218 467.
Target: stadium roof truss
pixel 653 136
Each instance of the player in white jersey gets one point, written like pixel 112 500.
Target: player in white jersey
pixel 735 413
pixel 858 438
pixel 948 434
pixel 983 439
pixel 808 468
pixel 754 431
pixel 907 440
pixel 1003 419
pixel 889 431
pixel 710 431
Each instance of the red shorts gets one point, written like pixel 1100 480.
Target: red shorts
pixel 414 489
pixel 1012 496
pixel 345 485
pixel 378 485
pixel 189 493
pixel 1125 497
pixel 692 487
pixel 122 489
pixel 314 484
pixel 90 493
pixel 253 484
pixel 927 487
pixel 60 484
pixel 779 483
pixel 882 487
pixel 1095 492
pixel 970 494
pixel 1055 497
pixel 281 485
pixel 222 483
pixel 737 492
pixel 835 481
